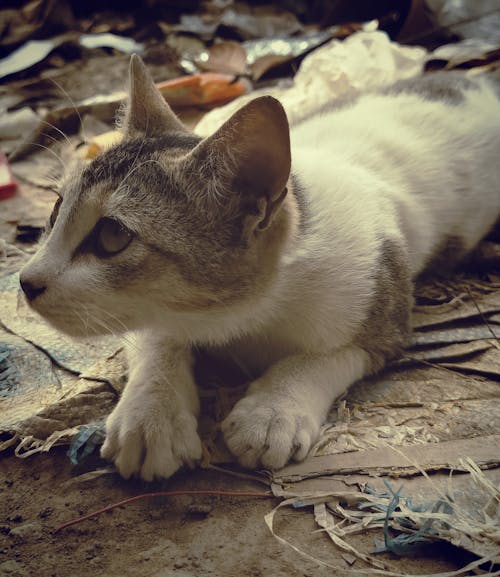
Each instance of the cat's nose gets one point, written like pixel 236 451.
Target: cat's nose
pixel 31 290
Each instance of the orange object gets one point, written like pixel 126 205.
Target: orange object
pixel 205 89
pixel 8 185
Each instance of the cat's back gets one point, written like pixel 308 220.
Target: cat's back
pixel 421 155
pixel 416 115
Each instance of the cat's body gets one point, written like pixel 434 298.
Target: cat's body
pixel 309 290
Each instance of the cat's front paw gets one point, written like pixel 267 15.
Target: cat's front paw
pixel 267 429
pixel 150 439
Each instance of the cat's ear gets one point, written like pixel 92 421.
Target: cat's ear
pixel 248 162
pixel 147 113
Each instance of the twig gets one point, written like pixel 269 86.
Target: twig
pixel 434 365
pixel 483 318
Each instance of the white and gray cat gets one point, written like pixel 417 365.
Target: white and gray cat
pixel 302 272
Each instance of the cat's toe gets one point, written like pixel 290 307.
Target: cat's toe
pixel 289 436
pixel 151 444
pixel 261 432
pixel 109 448
pixel 129 457
pixel 163 459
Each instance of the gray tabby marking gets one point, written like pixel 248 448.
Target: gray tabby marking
pixel 438 86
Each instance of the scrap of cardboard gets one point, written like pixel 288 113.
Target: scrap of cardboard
pixel 396 461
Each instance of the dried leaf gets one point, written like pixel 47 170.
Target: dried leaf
pixel 465 54
pixel 201 25
pixel 266 63
pixel 260 22
pixel 226 57
pixel 21 23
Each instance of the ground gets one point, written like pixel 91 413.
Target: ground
pixel 183 536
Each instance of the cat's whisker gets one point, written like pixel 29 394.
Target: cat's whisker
pixel 100 324
pixel 121 334
pixel 72 102
pixel 92 322
pixel 54 179
pixel 63 134
pixel 89 321
pixel 51 152
pixel 114 318
pixel 84 322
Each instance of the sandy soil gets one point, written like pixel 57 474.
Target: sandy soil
pixel 179 536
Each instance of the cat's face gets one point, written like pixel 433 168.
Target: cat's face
pixel 164 223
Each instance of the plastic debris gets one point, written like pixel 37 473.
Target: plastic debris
pixel 31 53
pixel 404 543
pixel 240 21
pixel 256 57
pixel 84 443
pixel 365 60
pixel 479 19
pixel 35 51
pixel 294 46
pixel 8 185
pixel 109 40
pixel 208 88
pixel 16 123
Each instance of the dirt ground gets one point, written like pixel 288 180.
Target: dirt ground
pixel 179 536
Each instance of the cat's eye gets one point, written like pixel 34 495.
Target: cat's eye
pixel 112 237
pixel 55 212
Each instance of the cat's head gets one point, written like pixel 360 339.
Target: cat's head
pixel 165 223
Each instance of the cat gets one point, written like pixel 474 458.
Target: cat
pixel 303 274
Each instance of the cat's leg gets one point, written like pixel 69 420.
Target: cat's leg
pixel 152 431
pixel 281 415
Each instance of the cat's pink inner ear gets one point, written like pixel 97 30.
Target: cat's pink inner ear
pixel 147 113
pixel 258 137
pixel 250 156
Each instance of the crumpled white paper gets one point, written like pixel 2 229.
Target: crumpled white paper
pixel 365 60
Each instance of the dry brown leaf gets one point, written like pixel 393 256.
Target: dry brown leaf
pixel 265 63
pixel 228 57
